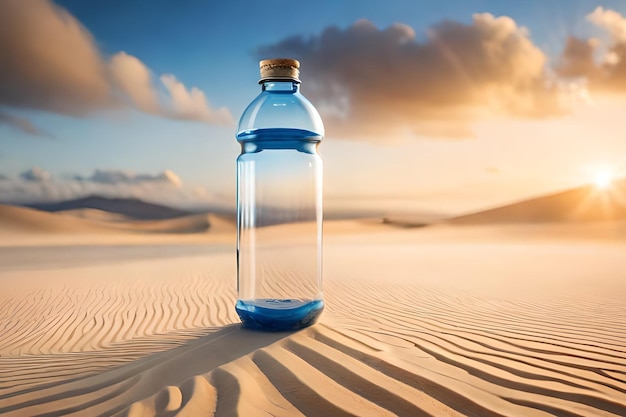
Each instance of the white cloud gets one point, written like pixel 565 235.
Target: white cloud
pixel 37 185
pixel 602 66
pixel 51 62
pixel 35 174
pixel 170 177
pixel 386 83
pixel 192 104
pixel 133 78
pixel 610 20
pixel 101 176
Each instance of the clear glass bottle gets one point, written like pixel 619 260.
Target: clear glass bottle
pixel 279 204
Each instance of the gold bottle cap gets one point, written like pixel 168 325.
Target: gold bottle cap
pixel 279 69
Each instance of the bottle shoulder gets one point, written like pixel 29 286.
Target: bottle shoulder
pixel 280 109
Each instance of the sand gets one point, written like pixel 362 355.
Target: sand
pixel 441 321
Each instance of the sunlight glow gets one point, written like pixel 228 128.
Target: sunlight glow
pixel 603 178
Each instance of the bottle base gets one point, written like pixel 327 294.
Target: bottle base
pixel 278 314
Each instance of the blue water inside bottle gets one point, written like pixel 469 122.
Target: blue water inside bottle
pixel 285 139
pixel 278 315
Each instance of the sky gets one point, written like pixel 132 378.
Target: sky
pixel 447 106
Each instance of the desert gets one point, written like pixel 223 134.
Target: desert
pixel 496 319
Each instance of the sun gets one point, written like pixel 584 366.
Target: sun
pixel 603 178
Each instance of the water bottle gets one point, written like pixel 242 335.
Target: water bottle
pixel 279 204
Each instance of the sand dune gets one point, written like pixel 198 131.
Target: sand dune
pixel 583 204
pixel 193 223
pixel 196 223
pixel 95 214
pixel 19 220
pixel 25 220
pixel 413 327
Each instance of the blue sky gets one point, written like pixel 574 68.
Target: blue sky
pixel 214 46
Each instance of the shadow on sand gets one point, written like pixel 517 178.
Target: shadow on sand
pixel 198 356
pixel 113 390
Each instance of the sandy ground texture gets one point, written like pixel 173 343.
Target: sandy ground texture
pixel 439 321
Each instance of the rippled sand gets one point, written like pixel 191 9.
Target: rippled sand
pixel 441 322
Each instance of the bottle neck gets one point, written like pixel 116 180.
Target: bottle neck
pixel 281 86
